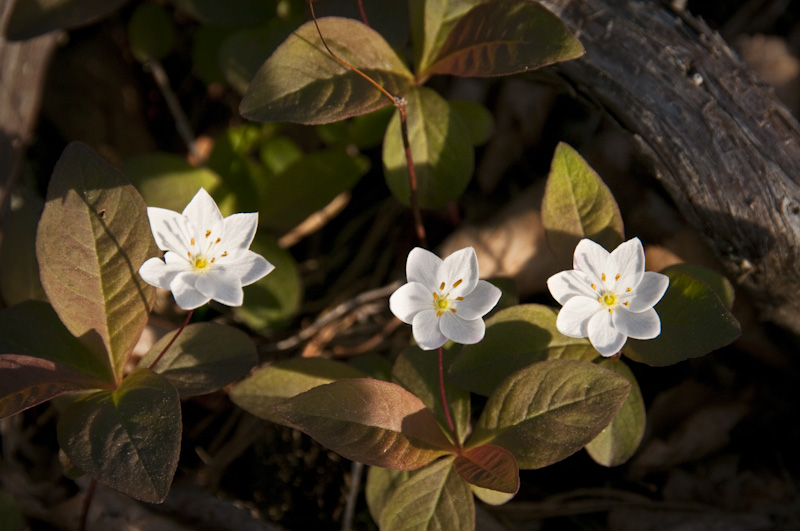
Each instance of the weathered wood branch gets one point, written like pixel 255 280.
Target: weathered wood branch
pixel 722 145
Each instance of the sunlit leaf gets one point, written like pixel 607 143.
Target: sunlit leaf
pixel 364 131
pixel 33 329
pixel 620 439
pixel 259 392
pixel 501 37
pixel 92 238
pixel 550 410
pixel 491 497
pixel 236 13
pixel 489 467
pixel 433 498
pixel 19 270
pixel 205 357
pixel 381 484
pixel 577 204
pixel 418 371
pixel 301 82
pixel 718 283
pixel 477 118
pixel 235 159
pixel 431 22
pixel 515 338
pixel 694 322
pixel 26 381
pixel 150 32
pixel 374 422
pixel 279 153
pixel 441 148
pixel 308 185
pixel 37 17
pixel 271 301
pixel 128 439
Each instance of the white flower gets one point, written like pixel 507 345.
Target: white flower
pixel 444 298
pixel 608 297
pixel 207 257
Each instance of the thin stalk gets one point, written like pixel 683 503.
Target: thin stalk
pixel 363 13
pixel 181 122
pixel 356 470
pixel 87 503
pixel 444 402
pixel 171 341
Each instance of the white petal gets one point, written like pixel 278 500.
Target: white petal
pixel 159 274
pixel 567 284
pixel 239 231
pixel 421 266
pixel 573 319
pixel 461 266
pixel 409 300
pixel 461 330
pixel 649 292
pixel 221 286
pixel 170 230
pixel 478 303
pixel 628 260
pixel 425 328
pixel 644 325
pixel 590 258
pixel 202 211
pixel 186 296
pixel 604 337
pixel 249 267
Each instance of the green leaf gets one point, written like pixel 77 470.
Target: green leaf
pixel 271 301
pixel 19 270
pixel 376 423
pixel 26 381
pixel 33 329
pixel 31 18
pixel 515 338
pixel 491 497
pixel 168 181
pixel 489 467
pixel 381 484
pixel 205 357
pixel 259 392
pixel 150 33
pixel 237 13
pixel 577 204
pixel 431 22
pixel 502 37
pixel 92 238
pixel 477 118
pixel 364 131
pixel 301 82
pixel 694 322
pixel 550 410
pixel 418 371
pixel 207 42
pixel 441 148
pixel 620 439
pixel 235 159
pixel 434 498
pixel 128 439
pixel 308 185
pixel 374 365
pixel 279 153
pixel 718 283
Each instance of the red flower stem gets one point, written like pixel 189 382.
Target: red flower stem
pixel 87 503
pixel 363 13
pixel 444 402
pixel 171 341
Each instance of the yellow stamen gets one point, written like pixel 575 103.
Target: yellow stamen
pixel 594 287
pixel 208 233
pixel 599 299
pixel 610 310
pixel 442 286
pixel 617 277
pixel 459 298
pixel 603 277
pixel 439 313
pixel 453 310
pixel 218 240
pixel 626 303
pixel 459 281
pixel 435 295
pixel 191 241
pixel 628 290
pixel 188 254
pixel 224 254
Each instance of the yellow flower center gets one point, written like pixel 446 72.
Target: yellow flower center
pixel 610 299
pixel 200 262
pixel 441 300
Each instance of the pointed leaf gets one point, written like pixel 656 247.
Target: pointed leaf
pixel 721 286
pixel 435 498
pixel 381 484
pixel 19 270
pixel 577 204
pixel 501 37
pixel 620 439
pixel 370 421
pixel 418 371
pixel 441 147
pixel 694 322
pixel 92 238
pixel 301 82
pixel 431 22
pixel 489 467
pixel 26 381
pixel 515 338
pixel 550 410
pixel 37 17
pixel 205 357
pixel 259 392
pixel 33 329
pixel 491 497
pixel 128 439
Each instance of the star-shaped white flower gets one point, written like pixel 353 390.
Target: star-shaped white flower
pixel 444 298
pixel 608 297
pixel 207 257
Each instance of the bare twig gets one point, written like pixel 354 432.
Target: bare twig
pixel 181 122
pixel 356 469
